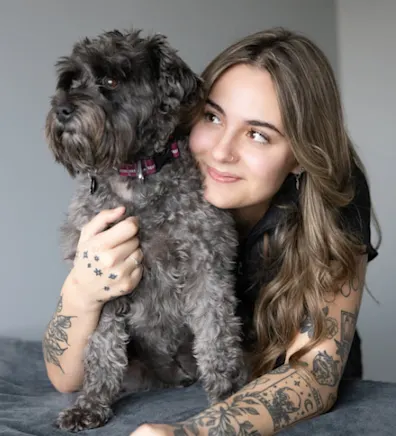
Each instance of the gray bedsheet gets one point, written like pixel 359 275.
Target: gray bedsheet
pixel 29 405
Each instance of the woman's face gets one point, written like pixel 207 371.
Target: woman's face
pixel 240 144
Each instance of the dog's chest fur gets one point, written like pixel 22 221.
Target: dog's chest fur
pixel 176 232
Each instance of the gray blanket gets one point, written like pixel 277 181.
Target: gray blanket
pixel 29 404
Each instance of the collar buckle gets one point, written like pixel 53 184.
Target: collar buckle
pixel 139 171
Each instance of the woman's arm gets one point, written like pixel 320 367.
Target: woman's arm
pixel 64 342
pixel 288 394
pixel 107 266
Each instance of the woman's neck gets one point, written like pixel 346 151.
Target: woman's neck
pixel 247 217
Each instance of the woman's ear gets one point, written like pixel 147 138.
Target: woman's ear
pixel 298 170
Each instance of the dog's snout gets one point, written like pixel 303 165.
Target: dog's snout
pixel 65 111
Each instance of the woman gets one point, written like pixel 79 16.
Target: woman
pixel 271 143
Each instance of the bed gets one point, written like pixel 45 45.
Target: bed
pixel 29 404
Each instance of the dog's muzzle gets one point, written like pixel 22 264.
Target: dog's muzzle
pixel 65 112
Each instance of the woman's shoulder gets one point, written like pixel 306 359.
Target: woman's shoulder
pixel 355 218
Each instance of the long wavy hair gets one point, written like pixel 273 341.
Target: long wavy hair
pixel 310 238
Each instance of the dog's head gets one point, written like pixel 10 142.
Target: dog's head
pixel 119 96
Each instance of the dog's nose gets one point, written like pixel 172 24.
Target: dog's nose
pixel 64 112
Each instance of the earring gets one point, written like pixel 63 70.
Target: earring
pixel 298 176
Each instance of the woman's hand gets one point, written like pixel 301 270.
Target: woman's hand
pixel 107 263
pixel 155 430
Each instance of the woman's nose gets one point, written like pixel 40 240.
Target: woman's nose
pixel 224 150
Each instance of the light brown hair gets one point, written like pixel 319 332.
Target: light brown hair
pixel 305 244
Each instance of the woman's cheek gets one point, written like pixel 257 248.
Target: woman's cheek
pixel 258 165
pixel 200 139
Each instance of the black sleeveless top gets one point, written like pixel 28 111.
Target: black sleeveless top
pixel 355 218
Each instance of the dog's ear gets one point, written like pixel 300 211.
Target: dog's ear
pixel 178 84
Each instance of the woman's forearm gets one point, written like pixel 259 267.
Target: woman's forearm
pixel 64 341
pixel 264 407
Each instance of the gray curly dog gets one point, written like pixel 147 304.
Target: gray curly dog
pixel 119 99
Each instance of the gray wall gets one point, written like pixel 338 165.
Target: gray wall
pixel 367 64
pixel 34 190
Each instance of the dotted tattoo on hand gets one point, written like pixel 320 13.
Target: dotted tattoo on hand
pixel 113 276
pixel 98 272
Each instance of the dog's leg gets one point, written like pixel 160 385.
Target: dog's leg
pixel 217 343
pixel 105 363
pixel 172 369
pixel 166 360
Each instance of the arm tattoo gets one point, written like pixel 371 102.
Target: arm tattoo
pixel 347 288
pixel 331 399
pixel 348 324
pixel 287 400
pixel 56 335
pixel 281 369
pixel 308 327
pixel 331 325
pixel 325 369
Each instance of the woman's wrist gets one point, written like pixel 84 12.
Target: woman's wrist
pixel 74 300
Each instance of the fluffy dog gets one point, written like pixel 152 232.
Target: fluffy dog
pixel 118 101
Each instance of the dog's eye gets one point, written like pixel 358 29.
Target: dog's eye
pixel 109 83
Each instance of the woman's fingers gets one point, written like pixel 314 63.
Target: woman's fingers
pixel 119 254
pixel 134 260
pixel 100 222
pixel 117 234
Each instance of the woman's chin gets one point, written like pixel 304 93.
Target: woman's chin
pixel 219 201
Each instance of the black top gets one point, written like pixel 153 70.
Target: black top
pixel 355 218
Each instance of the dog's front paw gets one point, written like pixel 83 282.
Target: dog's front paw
pixel 223 383
pixel 242 378
pixel 77 419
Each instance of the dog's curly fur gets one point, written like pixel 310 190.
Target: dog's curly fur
pixel 180 322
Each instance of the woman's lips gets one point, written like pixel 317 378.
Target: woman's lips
pixel 221 177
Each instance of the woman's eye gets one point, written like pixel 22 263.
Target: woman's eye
pixel 212 118
pixel 257 136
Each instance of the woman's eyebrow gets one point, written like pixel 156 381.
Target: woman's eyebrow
pixel 215 106
pixel 255 123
